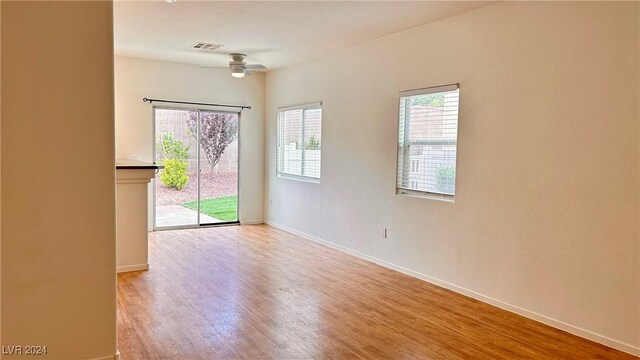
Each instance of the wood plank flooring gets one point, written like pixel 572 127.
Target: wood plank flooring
pixel 255 292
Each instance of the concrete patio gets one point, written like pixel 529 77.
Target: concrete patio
pixel 177 215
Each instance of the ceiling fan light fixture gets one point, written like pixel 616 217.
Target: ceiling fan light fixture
pixel 238 72
pixel 239 68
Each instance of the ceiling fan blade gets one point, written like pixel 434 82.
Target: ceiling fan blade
pixel 256 67
pixel 213 67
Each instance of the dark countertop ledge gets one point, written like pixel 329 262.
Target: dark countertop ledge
pixel 136 164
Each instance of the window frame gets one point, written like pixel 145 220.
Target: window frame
pixel 303 107
pixel 404 147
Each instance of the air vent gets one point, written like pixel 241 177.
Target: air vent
pixel 206 46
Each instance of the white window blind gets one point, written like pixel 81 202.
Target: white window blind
pixel 427 141
pixel 299 141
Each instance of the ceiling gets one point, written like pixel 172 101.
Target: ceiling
pixel 273 33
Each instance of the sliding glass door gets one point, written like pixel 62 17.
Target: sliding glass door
pixel 199 183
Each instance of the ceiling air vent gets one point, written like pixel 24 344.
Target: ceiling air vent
pixel 205 46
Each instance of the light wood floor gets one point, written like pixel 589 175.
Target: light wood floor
pixel 254 292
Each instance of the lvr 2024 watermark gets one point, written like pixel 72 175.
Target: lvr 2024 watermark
pixel 24 350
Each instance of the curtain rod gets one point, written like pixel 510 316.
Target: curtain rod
pixel 195 103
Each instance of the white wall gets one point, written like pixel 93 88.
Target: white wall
pixel 546 217
pixel 139 78
pixel 58 179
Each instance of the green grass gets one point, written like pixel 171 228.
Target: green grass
pixel 224 208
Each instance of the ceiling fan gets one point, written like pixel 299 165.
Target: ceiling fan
pixel 239 67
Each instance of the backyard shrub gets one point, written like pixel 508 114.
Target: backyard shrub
pixel 314 143
pixel 174 156
pixel 172 148
pixel 174 174
pixel 445 179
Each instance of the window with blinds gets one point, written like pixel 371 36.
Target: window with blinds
pixel 427 141
pixel 299 141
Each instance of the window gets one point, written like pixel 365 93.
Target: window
pixel 299 141
pixel 427 141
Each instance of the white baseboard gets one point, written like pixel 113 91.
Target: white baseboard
pixel 252 222
pixel 619 345
pixel 137 267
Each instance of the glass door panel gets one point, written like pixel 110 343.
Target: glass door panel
pixel 218 167
pixel 176 186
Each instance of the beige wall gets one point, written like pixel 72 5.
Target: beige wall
pixel 0 176
pixel 57 166
pixel 546 216
pixel 139 78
